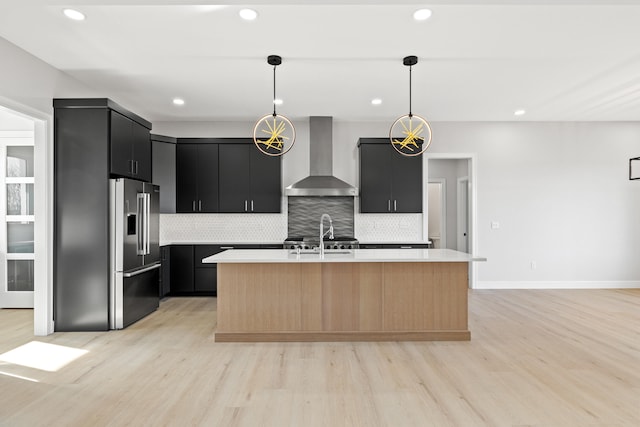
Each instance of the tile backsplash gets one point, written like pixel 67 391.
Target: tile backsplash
pixel 406 228
pixel 222 228
pixel 273 228
pixel 305 214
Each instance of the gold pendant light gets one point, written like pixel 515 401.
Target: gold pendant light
pixel 410 135
pixel 274 134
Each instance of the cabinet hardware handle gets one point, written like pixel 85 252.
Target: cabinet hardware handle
pixel 136 172
pixel 194 206
pixel 245 205
pixel 388 205
pixel 395 208
pixel 252 206
pixel 200 205
pixel 226 247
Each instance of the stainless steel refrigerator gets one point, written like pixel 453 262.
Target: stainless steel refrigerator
pixel 135 251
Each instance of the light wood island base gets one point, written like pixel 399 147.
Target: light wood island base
pixel 367 301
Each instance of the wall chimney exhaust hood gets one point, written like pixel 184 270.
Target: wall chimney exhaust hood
pixel 321 181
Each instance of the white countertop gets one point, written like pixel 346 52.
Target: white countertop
pixel 357 255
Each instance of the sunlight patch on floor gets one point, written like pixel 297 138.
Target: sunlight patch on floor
pixel 43 356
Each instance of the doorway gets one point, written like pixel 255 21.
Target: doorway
pixel 17 218
pixel 458 173
pixel 437 212
pixel 29 241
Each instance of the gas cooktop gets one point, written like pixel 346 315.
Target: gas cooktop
pixel 310 242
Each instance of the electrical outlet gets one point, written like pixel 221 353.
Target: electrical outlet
pixel 495 225
pixel 534 265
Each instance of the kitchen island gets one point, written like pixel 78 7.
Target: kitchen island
pixel 357 295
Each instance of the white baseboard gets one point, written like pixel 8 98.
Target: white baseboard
pixel 630 284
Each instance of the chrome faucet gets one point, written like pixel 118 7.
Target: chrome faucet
pixel 322 232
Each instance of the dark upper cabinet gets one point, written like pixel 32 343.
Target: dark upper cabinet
pixel 375 178
pixel 130 148
pixel 249 180
pixel 196 177
pixel 163 155
pixel 120 141
pixel 234 178
pixel 141 152
pixel 389 181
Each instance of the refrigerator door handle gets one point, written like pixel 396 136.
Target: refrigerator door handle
pixel 142 232
pixel 139 225
pixel 146 223
pixel 142 270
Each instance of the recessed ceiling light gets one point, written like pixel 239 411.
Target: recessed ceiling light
pixel 277 101
pixel 422 14
pixel 74 14
pixel 248 14
pixel 519 112
pixel 376 101
pixel 178 101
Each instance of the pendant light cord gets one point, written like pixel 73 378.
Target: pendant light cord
pixel 274 90
pixel 410 114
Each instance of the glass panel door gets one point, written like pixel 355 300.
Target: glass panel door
pixel 16 221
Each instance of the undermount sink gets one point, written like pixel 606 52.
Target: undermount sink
pixel 317 251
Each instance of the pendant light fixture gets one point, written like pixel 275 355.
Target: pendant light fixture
pixel 274 134
pixel 410 135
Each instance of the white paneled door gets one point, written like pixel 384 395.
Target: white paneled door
pixel 16 219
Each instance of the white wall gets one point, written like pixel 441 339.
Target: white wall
pixel 32 83
pixel 560 192
pixel 561 195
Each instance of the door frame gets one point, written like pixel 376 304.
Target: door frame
pixel 473 202
pixel 43 212
pixel 462 219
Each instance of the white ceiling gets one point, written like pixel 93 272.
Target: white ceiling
pixel 478 60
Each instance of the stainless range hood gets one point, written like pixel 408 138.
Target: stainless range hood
pixel 321 182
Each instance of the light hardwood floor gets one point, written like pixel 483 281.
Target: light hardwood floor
pixel 536 358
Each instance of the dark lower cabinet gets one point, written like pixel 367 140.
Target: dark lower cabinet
pixel 395 245
pixel 181 276
pixel 205 280
pixel 184 273
pixel 205 275
pixel 165 271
